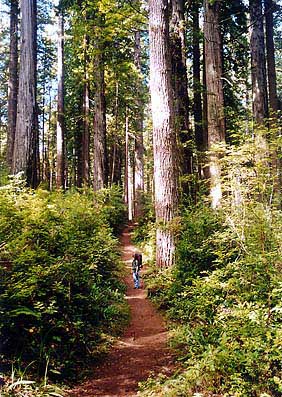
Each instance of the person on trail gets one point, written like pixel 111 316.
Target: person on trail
pixel 136 266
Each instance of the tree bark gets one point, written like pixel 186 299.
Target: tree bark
pixel 60 178
pixel 100 169
pixel 205 101
pixel 199 96
pixel 78 163
pixel 164 136
pixel 26 150
pixel 128 173
pixel 197 87
pixel 86 127
pixel 139 146
pixel 270 53
pixel 116 151
pixel 215 101
pixel 180 83
pixel 269 6
pixel 13 81
pixel 83 127
pixel 259 90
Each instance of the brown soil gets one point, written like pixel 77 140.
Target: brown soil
pixel 140 353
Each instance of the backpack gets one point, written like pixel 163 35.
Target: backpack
pixel 135 265
pixel 139 258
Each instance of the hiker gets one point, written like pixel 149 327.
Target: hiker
pixel 136 266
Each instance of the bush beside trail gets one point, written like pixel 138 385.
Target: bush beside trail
pixel 61 299
pixel 223 303
pixel 223 296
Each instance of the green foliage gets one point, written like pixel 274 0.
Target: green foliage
pixel 60 293
pixel 223 297
pixel 145 225
pixel 103 37
pixel 17 385
pixel 112 206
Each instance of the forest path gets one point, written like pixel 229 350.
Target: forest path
pixel 140 353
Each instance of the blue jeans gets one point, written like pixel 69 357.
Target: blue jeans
pixel 136 279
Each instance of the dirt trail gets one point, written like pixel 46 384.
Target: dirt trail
pixel 142 350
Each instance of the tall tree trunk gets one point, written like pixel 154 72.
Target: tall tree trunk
pixel 130 189
pixel 199 125
pixel 86 127
pixel 83 128
pixel 197 86
pixel 269 6
pixel 77 164
pixel 180 82
pixel 164 137
pixel 42 177
pixel 205 101
pixel 48 169
pixel 26 150
pixel 128 173
pixel 215 101
pixel 139 146
pixel 258 62
pixel 113 155
pixel 271 69
pixel 13 81
pixel 60 179
pixel 100 171
pixel 126 162
pixel 117 162
pixel 116 152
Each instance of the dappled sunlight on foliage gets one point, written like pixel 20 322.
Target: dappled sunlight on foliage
pixel 60 294
pixel 223 298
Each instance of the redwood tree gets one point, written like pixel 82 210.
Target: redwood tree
pixel 164 137
pixel 100 172
pixel 197 89
pixel 180 81
pixel 259 86
pixel 13 80
pixel 86 117
pixel 215 101
pixel 139 147
pixel 26 151
pixel 270 56
pixel 60 106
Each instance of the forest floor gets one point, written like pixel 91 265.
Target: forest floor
pixel 140 353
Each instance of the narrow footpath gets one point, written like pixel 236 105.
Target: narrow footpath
pixel 140 353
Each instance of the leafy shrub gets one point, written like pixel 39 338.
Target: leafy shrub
pixel 142 231
pixel 60 292
pixel 112 207
pixel 224 299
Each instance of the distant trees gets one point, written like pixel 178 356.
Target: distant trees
pixel 96 129
pixel 71 143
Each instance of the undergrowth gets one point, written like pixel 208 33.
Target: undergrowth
pixel 61 298
pixel 223 297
